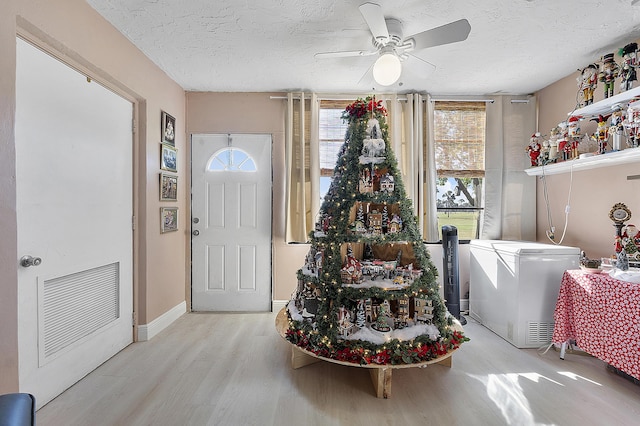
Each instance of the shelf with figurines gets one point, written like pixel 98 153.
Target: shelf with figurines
pixel 617 136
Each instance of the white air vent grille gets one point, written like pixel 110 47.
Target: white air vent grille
pixel 75 306
pixel 539 332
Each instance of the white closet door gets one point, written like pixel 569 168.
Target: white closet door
pixel 74 209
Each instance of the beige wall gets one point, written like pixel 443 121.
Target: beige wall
pixel 74 32
pixel 594 191
pixel 255 113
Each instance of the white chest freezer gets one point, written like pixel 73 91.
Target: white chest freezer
pixel 514 285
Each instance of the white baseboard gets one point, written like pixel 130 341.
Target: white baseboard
pixel 277 305
pixel 148 331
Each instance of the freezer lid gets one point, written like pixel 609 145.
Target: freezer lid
pixel 524 247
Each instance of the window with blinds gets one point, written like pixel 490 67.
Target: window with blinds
pixel 459 136
pixel 459 129
pixel 331 135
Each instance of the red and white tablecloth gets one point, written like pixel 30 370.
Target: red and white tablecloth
pixel 602 315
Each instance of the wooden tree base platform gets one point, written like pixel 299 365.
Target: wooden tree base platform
pixel 380 374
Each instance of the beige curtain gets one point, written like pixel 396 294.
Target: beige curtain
pixel 413 143
pixel 509 193
pixel 303 167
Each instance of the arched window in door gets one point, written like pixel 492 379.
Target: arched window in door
pixel 231 160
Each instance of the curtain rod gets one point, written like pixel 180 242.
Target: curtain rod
pixel 490 101
pixel 402 98
pixel 339 97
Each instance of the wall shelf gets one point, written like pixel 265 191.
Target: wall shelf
pixel 609 159
pixel 603 107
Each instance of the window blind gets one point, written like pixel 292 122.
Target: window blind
pixel 459 134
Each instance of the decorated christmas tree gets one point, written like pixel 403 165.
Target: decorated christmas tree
pixel 368 291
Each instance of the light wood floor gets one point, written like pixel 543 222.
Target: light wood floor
pixel 233 369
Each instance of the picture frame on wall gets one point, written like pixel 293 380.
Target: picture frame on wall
pixel 168 129
pixel 168 187
pixel 169 158
pixel 168 219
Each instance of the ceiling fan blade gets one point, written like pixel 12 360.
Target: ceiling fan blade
pixel 372 13
pixel 345 54
pixel 418 66
pixel 367 77
pixel 445 34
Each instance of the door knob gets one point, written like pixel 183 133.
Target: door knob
pixel 27 261
pixel 196 233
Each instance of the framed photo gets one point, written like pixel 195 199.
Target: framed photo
pixel 169 158
pixel 168 129
pixel 168 219
pixel 168 187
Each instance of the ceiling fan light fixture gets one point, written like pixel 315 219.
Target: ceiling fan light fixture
pixel 387 68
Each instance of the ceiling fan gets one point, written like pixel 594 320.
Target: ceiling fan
pixel 393 48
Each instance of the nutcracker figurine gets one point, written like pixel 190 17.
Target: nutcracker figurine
pixel 628 74
pixel 587 82
pixel 616 129
pixel 608 74
pixel 564 146
pixel 601 133
pixel 632 123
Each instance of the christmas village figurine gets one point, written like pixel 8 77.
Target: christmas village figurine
pixel 587 82
pixel 387 183
pixel 368 278
pixel 534 149
pixel 628 74
pixel 608 74
pixel 373 146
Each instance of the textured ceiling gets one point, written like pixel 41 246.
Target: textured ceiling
pixel 515 46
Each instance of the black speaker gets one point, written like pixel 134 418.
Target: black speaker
pixel 451 271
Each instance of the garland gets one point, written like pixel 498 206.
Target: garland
pixel 420 349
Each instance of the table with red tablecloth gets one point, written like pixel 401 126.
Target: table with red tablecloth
pixel 602 315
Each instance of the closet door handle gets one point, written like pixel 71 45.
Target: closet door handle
pixel 27 261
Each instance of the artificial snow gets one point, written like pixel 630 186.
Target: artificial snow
pixel 293 311
pixel 411 332
pixel 384 284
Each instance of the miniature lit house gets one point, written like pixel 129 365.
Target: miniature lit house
pixel 374 220
pixel 423 310
pixel 387 183
pixel 395 225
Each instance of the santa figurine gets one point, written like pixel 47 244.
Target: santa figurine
pixel 534 149
pixel 573 128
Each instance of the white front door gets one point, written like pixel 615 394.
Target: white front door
pixel 231 222
pixel 74 210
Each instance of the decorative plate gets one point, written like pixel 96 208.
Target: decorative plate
pixel 620 213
